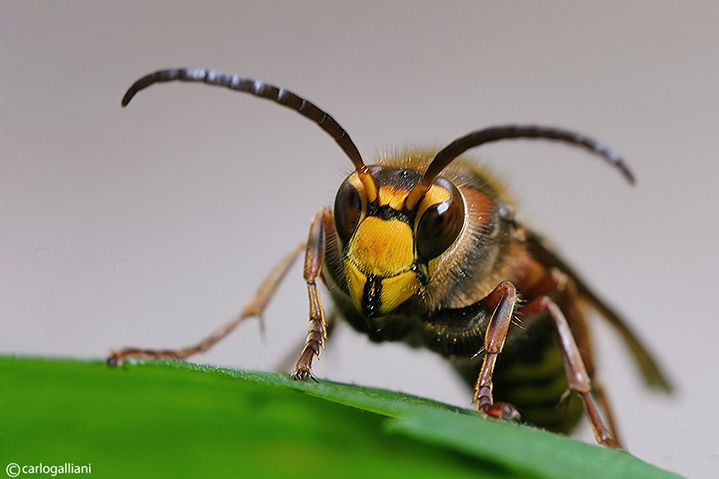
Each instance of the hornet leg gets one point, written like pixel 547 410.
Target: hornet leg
pixel 254 308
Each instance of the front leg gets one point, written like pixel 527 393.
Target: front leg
pixel 501 301
pixel 314 260
pixel 456 332
pixel 255 307
pixel 479 328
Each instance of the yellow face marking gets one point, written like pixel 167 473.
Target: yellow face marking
pixel 392 197
pixel 382 247
pixel 436 194
pixel 394 290
pixel 383 250
pixel 369 185
pixel 398 289
pixel 355 283
pixel 395 197
pixel 355 181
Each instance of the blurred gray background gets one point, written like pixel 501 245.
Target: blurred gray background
pixel 150 226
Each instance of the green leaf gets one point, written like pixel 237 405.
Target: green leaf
pixel 173 419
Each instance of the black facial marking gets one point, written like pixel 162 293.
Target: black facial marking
pixel 388 213
pixel 372 296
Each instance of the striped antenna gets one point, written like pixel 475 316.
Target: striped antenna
pixel 496 133
pixel 270 92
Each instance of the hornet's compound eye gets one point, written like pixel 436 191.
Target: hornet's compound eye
pixel 440 223
pixel 347 211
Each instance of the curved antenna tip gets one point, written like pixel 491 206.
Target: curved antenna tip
pixel 624 168
pixel 129 94
pixel 630 177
